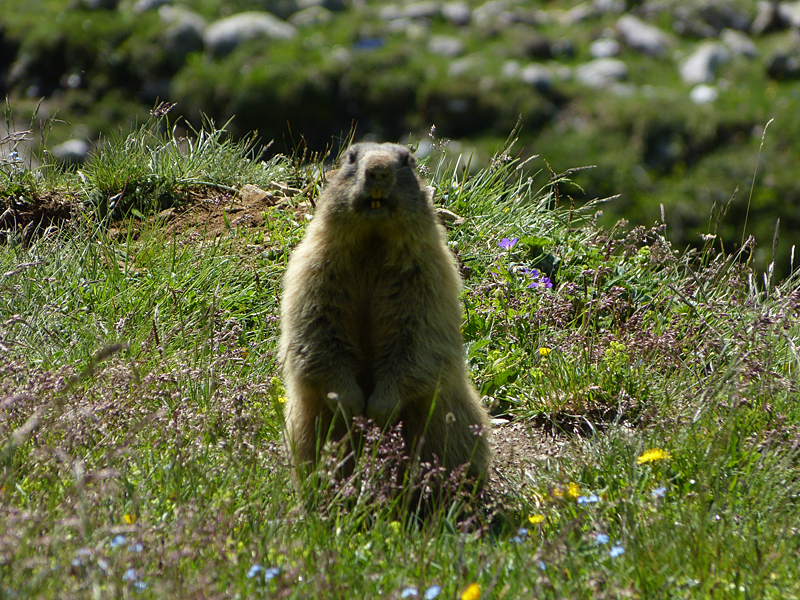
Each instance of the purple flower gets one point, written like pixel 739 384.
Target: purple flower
pixel 546 282
pixel 507 244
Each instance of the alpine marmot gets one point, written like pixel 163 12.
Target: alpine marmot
pixel 371 318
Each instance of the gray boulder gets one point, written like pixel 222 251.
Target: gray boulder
pixel 767 18
pixel 601 72
pixel 311 17
pixel 144 5
pixel 604 48
pixel 72 152
pixel 643 37
pixel 445 45
pixel 739 43
pixel 457 13
pixel 184 33
pixel 703 94
pixel 701 66
pixel 223 36
pixel 537 76
pixel 421 10
pixel 789 13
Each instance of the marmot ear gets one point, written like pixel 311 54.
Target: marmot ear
pixel 351 156
pixel 409 160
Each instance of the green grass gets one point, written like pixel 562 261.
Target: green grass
pixel 140 427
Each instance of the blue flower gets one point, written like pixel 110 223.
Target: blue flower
pixel 659 492
pixel 140 585
pixel 432 592
pixel 616 551
pixel 254 570
pixel 601 538
pixel 409 591
pixel 590 499
pixel 541 565
pixel 507 244
pixel 137 547
pixel 520 537
pixel 130 575
pixel 546 282
pixel 117 541
pixel 271 572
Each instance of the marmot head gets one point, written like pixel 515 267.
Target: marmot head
pixel 376 182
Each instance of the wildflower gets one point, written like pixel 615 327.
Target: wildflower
pixel 117 541
pixel 546 282
pixel 130 575
pixel 254 570
pixel 507 244
pixel 408 592
pixel 653 455
pixel 140 585
pixel 522 533
pixel 432 592
pixel 281 399
pixel 395 526
pixel 659 492
pixel 129 518
pixel 271 573
pixel 137 547
pixel 590 499
pixel 536 519
pixel 616 551
pixel 574 490
pixel 541 565
pixel 14 155
pixel 601 538
pixel 473 592
pixel 544 351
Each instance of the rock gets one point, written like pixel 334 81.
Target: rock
pixel 144 5
pixel 331 5
pixel 99 4
pixel 445 45
pixel 604 48
pixel 311 17
pixel 739 43
pixel 601 72
pixel 789 13
pixel 457 13
pixel 252 194
pixel 72 152
pixel 537 76
pixel 581 12
pixel 495 13
pixel 468 64
pixel 767 18
pixel 221 37
pixel 784 66
pixel 702 65
pixel 421 10
pixel 184 34
pixel 510 69
pixel 703 94
pixel 707 19
pixel 609 6
pixel 640 36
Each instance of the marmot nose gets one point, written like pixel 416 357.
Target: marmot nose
pixel 379 174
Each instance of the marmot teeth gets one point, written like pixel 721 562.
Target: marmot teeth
pixel 375 204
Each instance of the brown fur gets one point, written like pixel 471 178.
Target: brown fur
pixel 371 318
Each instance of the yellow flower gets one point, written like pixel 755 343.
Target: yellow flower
pixel 544 351
pixel 653 455
pixel 536 519
pixel 394 526
pixel 574 490
pixel 473 592
pixel 129 518
pixel 281 399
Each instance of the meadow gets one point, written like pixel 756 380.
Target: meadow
pixel 645 398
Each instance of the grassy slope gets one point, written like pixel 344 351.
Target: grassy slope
pixel 140 423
